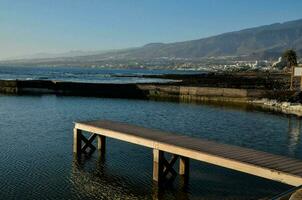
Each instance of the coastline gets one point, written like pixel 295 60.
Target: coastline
pixel 283 107
pixel 258 98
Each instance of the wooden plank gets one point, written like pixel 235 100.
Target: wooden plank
pixel 168 166
pixel 158 165
pixel 101 144
pixel 279 168
pixel 235 165
pixel 76 141
pixel 88 143
pixel 184 166
pixel 184 171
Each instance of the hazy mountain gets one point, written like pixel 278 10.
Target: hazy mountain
pixel 261 42
pixel 264 41
pixel 72 53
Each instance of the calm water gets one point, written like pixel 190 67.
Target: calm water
pixel 36 160
pixel 83 74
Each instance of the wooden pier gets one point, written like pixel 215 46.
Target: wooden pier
pixel 182 148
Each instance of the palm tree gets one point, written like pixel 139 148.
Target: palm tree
pixel 291 57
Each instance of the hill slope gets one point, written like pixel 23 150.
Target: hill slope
pixel 263 42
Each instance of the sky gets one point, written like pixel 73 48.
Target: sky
pixel 54 26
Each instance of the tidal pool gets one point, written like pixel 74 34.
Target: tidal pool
pixel 36 159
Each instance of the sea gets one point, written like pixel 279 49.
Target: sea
pixel 37 162
pixel 86 74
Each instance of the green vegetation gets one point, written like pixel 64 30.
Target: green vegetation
pixel 291 57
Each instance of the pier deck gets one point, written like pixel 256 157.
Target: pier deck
pixel 262 164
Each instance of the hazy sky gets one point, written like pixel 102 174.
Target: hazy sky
pixel 34 26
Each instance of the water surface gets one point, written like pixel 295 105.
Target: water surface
pixel 85 74
pixel 36 160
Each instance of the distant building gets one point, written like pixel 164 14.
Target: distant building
pixel 280 64
pixel 259 64
pixel 279 61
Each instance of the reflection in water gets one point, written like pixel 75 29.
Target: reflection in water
pixel 162 193
pixel 40 163
pixel 96 181
pixel 294 129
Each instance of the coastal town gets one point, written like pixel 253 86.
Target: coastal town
pixel 206 64
pixel 211 64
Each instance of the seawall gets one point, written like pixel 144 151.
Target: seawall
pixel 256 98
pixel 137 91
pixel 201 94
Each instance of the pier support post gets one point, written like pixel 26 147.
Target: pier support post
pixel 101 144
pixel 77 142
pixel 158 167
pixel 184 165
pixel 163 171
pixel 79 139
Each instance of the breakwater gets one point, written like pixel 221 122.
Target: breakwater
pixel 254 98
pixel 70 88
pixel 131 90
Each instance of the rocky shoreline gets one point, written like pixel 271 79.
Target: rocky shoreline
pixel 274 105
pixel 256 90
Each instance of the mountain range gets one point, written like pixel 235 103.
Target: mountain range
pixel 264 42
